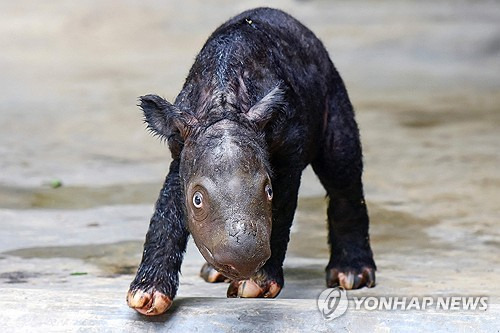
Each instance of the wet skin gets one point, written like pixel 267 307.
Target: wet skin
pixel 228 197
pixel 261 102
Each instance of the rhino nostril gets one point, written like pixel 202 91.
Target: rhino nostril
pixel 229 269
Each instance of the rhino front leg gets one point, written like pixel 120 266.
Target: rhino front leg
pixel 157 279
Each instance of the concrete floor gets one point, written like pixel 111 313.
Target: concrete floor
pixel 423 77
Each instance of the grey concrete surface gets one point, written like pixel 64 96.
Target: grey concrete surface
pixel 423 77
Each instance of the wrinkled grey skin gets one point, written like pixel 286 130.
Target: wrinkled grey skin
pixel 232 226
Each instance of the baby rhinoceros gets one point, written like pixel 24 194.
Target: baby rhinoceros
pixel 261 102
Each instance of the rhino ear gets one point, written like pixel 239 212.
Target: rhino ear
pixel 164 119
pixel 265 109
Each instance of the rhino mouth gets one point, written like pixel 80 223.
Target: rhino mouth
pixel 229 270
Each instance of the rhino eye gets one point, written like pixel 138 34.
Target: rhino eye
pixel 269 192
pixel 198 200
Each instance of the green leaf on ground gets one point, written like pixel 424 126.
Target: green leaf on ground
pixel 56 183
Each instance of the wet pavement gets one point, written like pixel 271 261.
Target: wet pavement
pixel 423 77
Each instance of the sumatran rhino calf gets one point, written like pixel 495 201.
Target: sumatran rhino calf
pixel 261 102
